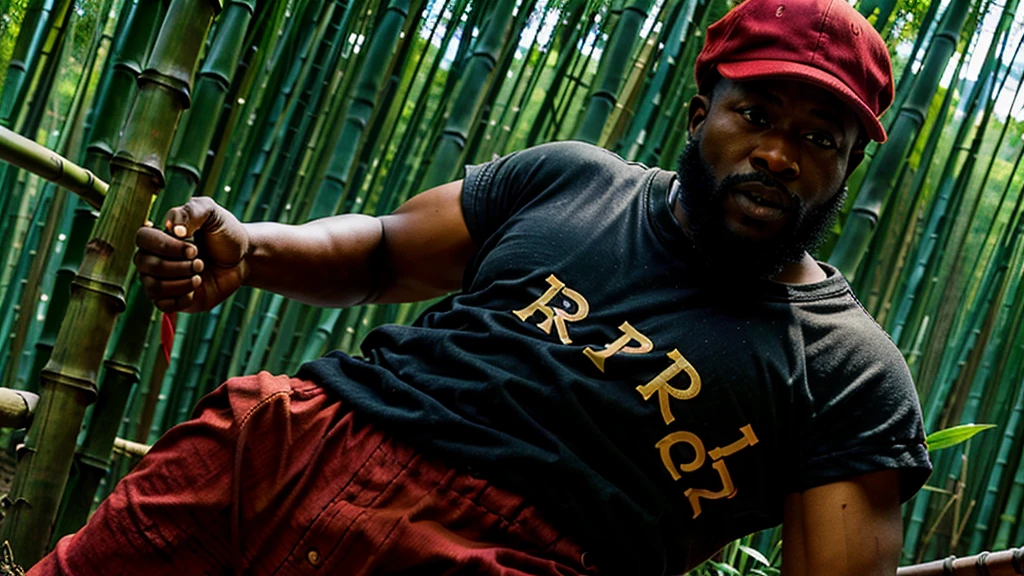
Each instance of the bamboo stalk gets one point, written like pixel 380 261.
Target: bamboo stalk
pixel 68 380
pixel 470 98
pixel 26 154
pixel 367 87
pixel 92 460
pixel 110 110
pixel 613 69
pixel 859 227
pixel 1004 563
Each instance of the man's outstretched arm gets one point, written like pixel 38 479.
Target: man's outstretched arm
pixel 417 252
pixel 848 528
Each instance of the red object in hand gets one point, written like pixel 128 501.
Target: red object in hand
pixel 168 320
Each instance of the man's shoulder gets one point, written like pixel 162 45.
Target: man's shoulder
pixel 573 154
pixel 842 336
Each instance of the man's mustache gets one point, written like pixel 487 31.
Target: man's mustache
pixel 734 180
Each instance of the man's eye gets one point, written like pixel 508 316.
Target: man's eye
pixel 754 116
pixel 822 140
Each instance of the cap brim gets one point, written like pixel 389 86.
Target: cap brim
pixel 763 69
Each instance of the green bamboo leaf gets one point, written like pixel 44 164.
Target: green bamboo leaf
pixel 722 567
pixel 953 436
pixel 755 554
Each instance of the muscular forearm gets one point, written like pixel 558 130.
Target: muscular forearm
pixel 418 252
pixel 336 261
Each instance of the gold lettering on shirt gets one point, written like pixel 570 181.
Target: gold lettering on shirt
pixel 749 439
pixel 728 490
pixel 665 444
pixel 660 384
pixel 644 345
pixel 556 316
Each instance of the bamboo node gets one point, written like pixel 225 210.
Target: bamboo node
pixel 129 66
pixel 176 86
pixel 981 564
pixel 114 292
pixel 868 213
pixel 102 247
pixel 94 461
pixel 100 147
pixel 81 384
pixel 6 504
pixel 128 370
pixel 126 162
pixel 189 171
pixel 110 289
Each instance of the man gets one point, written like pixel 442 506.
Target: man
pixel 638 365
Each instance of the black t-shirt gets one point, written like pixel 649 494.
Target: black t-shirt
pixel 652 411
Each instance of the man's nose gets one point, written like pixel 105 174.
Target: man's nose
pixel 778 155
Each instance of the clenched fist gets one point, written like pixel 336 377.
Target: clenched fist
pixel 192 277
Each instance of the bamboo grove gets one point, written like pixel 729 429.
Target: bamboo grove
pixel 296 109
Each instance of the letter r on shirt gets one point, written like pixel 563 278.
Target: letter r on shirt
pixel 556 316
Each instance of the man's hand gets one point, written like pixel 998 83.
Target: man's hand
pixel 418 252
pixel 182 276
pixel 849 528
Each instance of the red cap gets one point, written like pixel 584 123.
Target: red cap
pixel 823 42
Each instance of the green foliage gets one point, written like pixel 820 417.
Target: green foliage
pixel 963 274
pixel 10 24
pixel 950 437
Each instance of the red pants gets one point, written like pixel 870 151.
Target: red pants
pixel 276 477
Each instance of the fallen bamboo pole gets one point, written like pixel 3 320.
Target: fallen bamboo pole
pixel 24 153
pixel 16 408
pixel 1005 563
pixel 129 448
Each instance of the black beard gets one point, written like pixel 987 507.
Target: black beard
pixel 703 200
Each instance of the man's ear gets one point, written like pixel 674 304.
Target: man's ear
pixel 698 112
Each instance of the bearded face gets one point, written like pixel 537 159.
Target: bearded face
pixel 703 199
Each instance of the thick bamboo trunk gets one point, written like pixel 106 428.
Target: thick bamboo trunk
pixel 115 95
pixel 476 78
pixel 69 378
pixel 612 71
pixel 92 460
pixel 367 88
pixel 860 225
pixel 122 368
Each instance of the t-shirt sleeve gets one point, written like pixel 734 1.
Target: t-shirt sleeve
pixel 864 414
pixel 494 191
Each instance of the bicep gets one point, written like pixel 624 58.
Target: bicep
pixel 427 244
pixel 845 528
